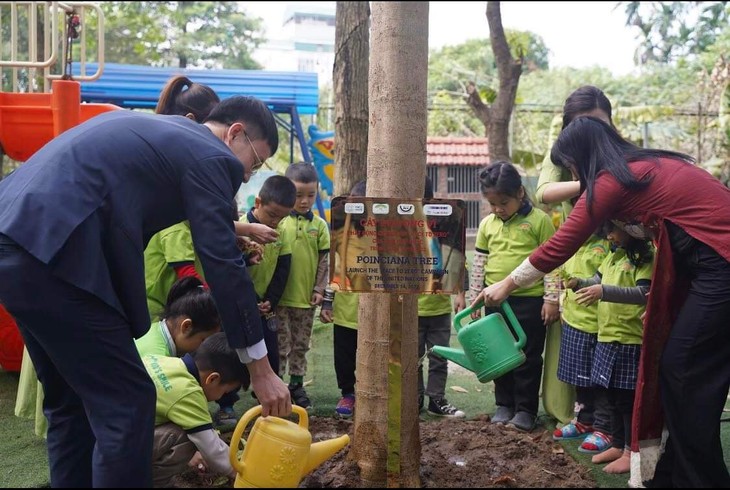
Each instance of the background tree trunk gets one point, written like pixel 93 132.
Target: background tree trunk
pixel 496 117
pixel 396 168
pixel 350 78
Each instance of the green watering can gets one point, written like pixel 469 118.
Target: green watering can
pixel 490 349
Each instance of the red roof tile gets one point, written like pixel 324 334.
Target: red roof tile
pixel 457 151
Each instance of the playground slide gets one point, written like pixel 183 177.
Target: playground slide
pixel 27 122
pixel 30 120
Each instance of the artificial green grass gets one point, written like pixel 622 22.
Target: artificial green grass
pixel 24 456
pixel 25 462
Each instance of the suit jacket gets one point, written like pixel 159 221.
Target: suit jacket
pixel 87 203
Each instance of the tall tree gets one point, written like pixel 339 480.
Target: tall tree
pixel 208 34
pixel 350 80
pixel 473 60
pixel 669 31
pixel 386 422
pixel 496 117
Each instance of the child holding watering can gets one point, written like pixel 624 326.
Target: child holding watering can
pixel 504 239
pixel 620 289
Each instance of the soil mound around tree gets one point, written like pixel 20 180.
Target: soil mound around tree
pixel 454 454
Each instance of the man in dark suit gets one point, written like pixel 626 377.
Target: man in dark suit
pixel 74 222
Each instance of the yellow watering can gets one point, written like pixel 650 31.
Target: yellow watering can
pixel 490 348
pixel 278 453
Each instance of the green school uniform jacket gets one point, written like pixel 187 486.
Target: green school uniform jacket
pixel 169 246
pixel 508 243
pixel 619 322
pixel 308 236
pixel 584 265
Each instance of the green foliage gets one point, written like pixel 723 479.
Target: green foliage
pixel 530 47
pixel 670 31
pixel 452 67
pixel 452 117
pixel 201 34
pixel 473 60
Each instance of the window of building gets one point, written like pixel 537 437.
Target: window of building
pixel 306 64
pixel 463 179
pixel 433 172
pixel 473 214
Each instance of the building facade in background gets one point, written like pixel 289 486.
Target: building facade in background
pixel 454 164
pixel 306 42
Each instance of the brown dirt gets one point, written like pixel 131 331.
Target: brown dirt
pixel 454 454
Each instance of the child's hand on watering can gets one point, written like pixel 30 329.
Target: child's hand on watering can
pixel 589 295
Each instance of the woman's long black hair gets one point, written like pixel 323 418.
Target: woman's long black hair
pixel 591 146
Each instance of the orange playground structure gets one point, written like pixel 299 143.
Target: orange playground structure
pixel 29 120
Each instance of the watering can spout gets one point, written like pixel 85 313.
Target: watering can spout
pixel 453 355
pixel 320 452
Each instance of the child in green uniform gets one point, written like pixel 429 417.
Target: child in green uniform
pixel 269 276
pixel 556 186
pixel 190 316
pixel 170 254
pixel 620 288
pixel 310 243
pixel 504 239
pixel 180 96
pixel 343 312
pixel 183 424
pixel 434 328
pixel 578 340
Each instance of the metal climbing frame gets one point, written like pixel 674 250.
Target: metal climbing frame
pixel 47 21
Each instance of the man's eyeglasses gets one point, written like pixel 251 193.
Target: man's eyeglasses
pixel 259 163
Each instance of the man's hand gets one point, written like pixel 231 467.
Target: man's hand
pixel 271 391
pixel 261 233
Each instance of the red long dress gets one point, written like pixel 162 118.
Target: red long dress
pixel 689 197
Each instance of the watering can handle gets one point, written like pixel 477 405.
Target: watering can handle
pixel 460 316
pixel 243 423
pixel 521 337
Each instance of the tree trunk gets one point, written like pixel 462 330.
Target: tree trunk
pixel 496 118
pixel 350 79
pixel 388 325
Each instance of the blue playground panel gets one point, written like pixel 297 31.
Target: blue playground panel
pixel 139 87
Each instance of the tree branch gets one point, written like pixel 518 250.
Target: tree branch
pixel 474 100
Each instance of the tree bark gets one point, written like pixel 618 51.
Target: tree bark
pixel 496 118
pixel 350 78
pixel 396 169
